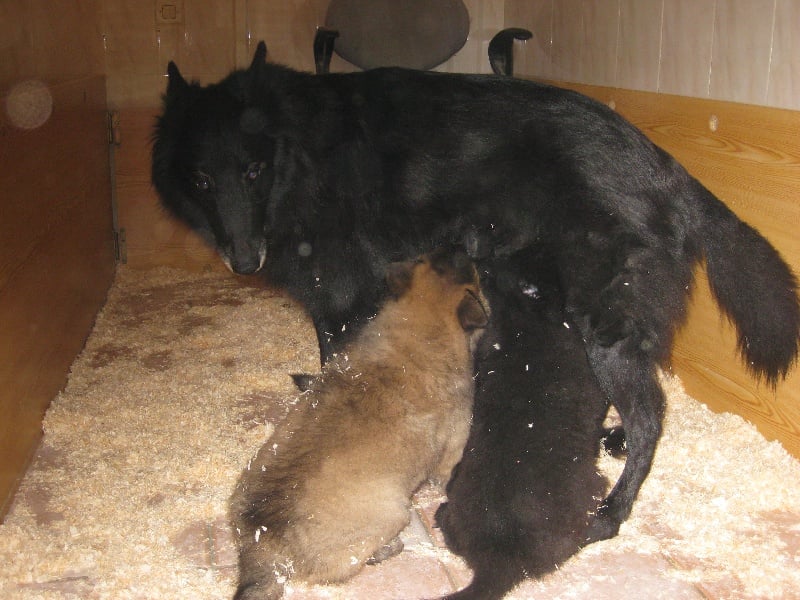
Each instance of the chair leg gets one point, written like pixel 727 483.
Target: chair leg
pixel 501 49
pixel 324 41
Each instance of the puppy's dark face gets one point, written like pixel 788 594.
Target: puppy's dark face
pixel 444 278
pixel 454 264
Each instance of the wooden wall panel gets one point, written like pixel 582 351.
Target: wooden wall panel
pixel 734 50
pixel 153 237
pixel 56 260
pixel 749 156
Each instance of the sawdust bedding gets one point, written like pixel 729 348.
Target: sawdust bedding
pixel 180 382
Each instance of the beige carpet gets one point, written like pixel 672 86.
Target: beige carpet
pixel 179 384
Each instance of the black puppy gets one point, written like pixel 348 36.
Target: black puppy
pixel 524 495
pixel 322 181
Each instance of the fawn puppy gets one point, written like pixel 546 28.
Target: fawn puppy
pixel 330 490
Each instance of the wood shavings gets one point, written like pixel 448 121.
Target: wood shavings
pixel 179 384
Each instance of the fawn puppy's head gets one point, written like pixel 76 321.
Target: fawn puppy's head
pixel 444 285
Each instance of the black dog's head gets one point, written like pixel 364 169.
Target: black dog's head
pixel 212 162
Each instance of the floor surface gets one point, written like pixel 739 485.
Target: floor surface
pixel 184 377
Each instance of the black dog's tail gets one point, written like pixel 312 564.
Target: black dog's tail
pixel 491 582
pixel 754 287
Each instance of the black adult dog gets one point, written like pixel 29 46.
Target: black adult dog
pixel 322 181
pixel 523 497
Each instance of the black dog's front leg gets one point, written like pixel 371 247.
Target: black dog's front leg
pixel 341 304
pixel 333 334
pixel 325 339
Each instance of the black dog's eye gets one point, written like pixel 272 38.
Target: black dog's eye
pixel 254 170
pixel 202 181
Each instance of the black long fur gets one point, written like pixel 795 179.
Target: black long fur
pixel 523 498
pixel 321 181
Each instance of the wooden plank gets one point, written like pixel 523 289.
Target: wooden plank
pixel 153 237
pixel 749 156
pixel 56 260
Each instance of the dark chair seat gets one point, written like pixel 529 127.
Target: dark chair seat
pixel 415 34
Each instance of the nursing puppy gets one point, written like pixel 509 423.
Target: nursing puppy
pixel 522 499
pixel 331 489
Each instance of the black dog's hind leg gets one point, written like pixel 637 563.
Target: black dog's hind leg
pixel 628 376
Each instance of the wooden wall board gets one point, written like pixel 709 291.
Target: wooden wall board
pixel 749 156
pixel 56 260
pixel 153 237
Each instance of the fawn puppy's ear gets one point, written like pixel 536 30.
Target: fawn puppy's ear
pixel 471 312
pixel 398 277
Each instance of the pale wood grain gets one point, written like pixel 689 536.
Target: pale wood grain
pixel 153 237
pixel 56 260
pixel 752 162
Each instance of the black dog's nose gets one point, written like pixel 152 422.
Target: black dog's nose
pixel 244 267
pixel 245 258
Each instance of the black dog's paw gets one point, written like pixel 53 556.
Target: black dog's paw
pixel 603 526
pixel 303 381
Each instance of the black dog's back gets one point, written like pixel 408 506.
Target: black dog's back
pixel 324 180
pixel 521 500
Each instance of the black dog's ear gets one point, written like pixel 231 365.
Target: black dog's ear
pixel 471 313
pixel 176 83
pixel 398 278
pixel 260 57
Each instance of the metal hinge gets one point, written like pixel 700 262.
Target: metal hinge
pixel 113 128
pixel 120 246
